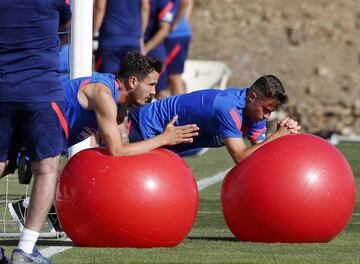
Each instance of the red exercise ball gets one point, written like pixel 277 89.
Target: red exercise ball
pixel 298 188
pixel 146 200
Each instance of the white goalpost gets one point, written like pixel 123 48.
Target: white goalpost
pixel 80 66
pixel 81 50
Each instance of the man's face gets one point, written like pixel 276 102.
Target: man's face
pixel 144 90
pixel 259 107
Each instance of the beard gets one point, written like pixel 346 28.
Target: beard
pixel 132 103
pixel 149 100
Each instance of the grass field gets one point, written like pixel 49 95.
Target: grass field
pixel 210 241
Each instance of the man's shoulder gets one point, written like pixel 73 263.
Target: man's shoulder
pixel 231 97
pixel 102 76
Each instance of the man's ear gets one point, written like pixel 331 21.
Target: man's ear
pixel 251 97
pixel 132 82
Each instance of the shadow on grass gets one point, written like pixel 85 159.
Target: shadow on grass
pixel 231 239
pixel 41 242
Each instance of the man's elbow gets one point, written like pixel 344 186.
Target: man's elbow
pixel 238 158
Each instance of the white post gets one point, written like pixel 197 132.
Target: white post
pixel 81 50
pixel 81 38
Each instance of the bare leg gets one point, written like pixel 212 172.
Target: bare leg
pixel 176 84
pixel 2 168
pixel 5 169
pixel 162 94
pixel 43 192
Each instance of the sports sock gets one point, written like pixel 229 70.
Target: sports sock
pixel 26 202
pixel 27 240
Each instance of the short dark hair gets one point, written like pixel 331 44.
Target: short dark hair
pixel 138 65
pixel 270 87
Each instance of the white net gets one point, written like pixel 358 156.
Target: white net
pixel 11 194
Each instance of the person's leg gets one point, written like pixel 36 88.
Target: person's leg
pixel 176 84
pixel 43 131
pixel 160 94
pixel 41 198
pixel 43 193
pixel 177 49
pixel 162 90
pixel 2 168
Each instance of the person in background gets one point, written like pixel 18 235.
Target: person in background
pixel 161 17
pixel 120 26
pixel 32 105
pixel 177 44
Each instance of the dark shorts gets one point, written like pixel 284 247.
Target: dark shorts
pixel 40 128
pixel 110 55
pixel 160 53
pixel 177 50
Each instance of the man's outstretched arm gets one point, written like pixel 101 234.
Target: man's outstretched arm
pixel 101 102
pixel 238 149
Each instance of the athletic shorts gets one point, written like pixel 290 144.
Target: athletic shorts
pixel 41 128
pixel 110 55
pixel 160 53
pixel 177 50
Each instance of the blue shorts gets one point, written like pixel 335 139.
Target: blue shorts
pixel 160 53
pixel 41 128
pixel 177 50
pixel 110 55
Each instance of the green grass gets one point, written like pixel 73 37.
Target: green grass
pixel 210 241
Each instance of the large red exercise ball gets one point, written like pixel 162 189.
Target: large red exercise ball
pixel 146 200
pixel 298 188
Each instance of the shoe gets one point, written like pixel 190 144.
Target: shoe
pixel 17 211
pixel 53 221
pixel 18 256
pixel 3 258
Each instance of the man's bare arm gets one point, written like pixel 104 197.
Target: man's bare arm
pixel 158 38
pixel 99 99
pixel 185 7
pixel 99 13
pixel 238 149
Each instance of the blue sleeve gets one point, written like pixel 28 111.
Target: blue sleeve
pixel 166 11
pixel 257 131
pixel 228 117
pixel 64 78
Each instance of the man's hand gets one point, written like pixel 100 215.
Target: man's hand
pixel 291 125
pixel 174 135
